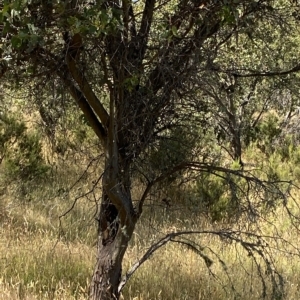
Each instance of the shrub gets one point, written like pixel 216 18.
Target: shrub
pixel 20 151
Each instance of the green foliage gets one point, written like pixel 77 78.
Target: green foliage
pixel 211 194
pixel 266 132
pixel 269 128
pixel 229 14
pixel 73 133
pixel 21 151
pixel 172 149
pixel 193 59
pixel 26 162
pixel 218 196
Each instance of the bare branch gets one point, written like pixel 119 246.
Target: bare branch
pixel 255 73
pixel 147 18
pixel 253 243
pixel 86 88
pixel 145 257
pixel 62 71
pixel 89 113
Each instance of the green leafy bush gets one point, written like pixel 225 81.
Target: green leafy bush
pixel 172 149
pixel 20 151
pixel 268 130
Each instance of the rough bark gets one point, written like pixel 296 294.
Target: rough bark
pixel 114 233
pixel 108 270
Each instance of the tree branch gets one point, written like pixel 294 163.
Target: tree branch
pixel 89 113
pixel 86 89
pixel 202 167
pixel 147 18
pixel 63 73
pixel 156 180
pixel 145 257
pixel 138 43
pixel 251 242
pixel 255 73
pixel 3 68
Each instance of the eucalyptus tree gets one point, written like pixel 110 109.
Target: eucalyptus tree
pixel 142 72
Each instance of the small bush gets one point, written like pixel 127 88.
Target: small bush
pixel 20 152
pixel 25 162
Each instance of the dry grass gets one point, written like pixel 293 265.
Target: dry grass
pixel 37 263
pixel 42 258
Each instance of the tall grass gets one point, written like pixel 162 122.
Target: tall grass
pixel 43 259
pixel 45 256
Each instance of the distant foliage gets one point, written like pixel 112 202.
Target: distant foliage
pixel 173 148
pixel 267 131
pixel 20 151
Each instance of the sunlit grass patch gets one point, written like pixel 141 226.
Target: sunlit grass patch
pixel 43 258
pixel 36 264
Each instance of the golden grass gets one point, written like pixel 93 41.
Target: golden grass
pixel 44 259
pixel 38 264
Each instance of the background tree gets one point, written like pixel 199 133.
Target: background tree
pixel 145 74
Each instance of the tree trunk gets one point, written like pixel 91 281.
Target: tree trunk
pixel 113 238
pixel 108 271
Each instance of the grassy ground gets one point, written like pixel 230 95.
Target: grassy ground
pixel 42 258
